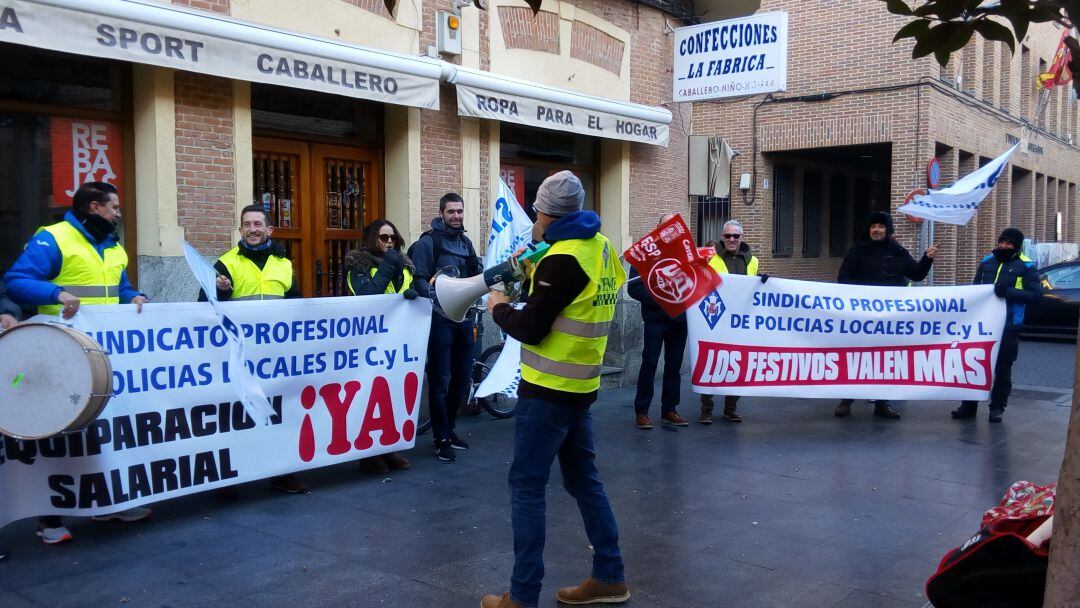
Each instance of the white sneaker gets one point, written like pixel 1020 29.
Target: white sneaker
pixel 132 514
pixel 54 536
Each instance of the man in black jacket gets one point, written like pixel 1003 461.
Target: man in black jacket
pixel 450 347
pixel 1014 278
pixel 881 260
pixel 661 332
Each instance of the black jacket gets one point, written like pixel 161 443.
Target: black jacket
pixel 7 307
pixel 441 248
pixel 885 263
pixel 389 269
pixel 1016 300
pixel 650 310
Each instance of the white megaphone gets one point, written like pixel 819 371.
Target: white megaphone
pixel 453 297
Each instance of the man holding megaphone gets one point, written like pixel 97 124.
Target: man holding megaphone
pixel 563 330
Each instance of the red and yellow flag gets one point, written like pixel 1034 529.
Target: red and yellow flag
pixel 1059 72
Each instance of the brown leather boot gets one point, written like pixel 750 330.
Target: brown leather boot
pixel 729 410
pixel 373 465
pixel 395 461
pixel 593 591
pixel 495 601
pixel 706 409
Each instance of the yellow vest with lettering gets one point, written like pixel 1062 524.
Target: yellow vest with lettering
pixel 716 262
pixel 406 281
pixel 569 358
pixel 92 277
pixel 251 283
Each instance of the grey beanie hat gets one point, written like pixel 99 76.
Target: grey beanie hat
pixel 560 194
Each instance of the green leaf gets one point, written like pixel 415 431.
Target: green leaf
pixel 899 7
pixel 534 5
pixel 390 4
pixel 912 30
pixel 958 36
pixel 942 57
pixel 1020 25
pixel 991 30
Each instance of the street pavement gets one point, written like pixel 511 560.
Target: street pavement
pixel 792 507
pixel 1046 363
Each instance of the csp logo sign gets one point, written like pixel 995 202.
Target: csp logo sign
pixel 712 308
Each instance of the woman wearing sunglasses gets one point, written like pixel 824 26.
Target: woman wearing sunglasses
pixel 379 267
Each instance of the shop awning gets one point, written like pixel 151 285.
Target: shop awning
pixel 182 39
pixel 486 95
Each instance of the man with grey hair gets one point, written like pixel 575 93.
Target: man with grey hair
pixel 733 258
pixel 661 332
pixel 572 293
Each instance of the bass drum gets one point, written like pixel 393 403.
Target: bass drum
pixel 53 379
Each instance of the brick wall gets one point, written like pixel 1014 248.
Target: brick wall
pixel 205 164
pixel 372 6
pixel 964 122
pixel 214 6
pixel 521 30
pixel 594 46
pixel 658 179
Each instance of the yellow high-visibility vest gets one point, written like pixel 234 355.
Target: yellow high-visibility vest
pixel 406 281
pixel 716 262
pixel 272 282
pixel 92 277
pixel 569 358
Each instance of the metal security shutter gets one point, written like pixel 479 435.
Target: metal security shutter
pixel 863 205
pixel 783 211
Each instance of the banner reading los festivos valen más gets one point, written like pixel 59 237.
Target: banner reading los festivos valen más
pixel 343 376
pixel 788 338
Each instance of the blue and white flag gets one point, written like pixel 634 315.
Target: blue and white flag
pixel 958 203
pixel 511 228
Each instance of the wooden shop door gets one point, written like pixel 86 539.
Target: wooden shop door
pixel 320 198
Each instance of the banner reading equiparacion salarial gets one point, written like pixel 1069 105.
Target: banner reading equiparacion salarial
pixel 789 338
pixel 343 376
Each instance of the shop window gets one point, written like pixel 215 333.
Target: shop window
pixel 838 215
pixel 712 212
pixel 62 123
pixel 783 211
pixel 285 110
pixel 528 156
pixel 811 214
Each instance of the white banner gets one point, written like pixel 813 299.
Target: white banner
pixel 958 203
pixel 217 45
pixel 481 103
pixel 343 376
pixel 789 338
pixel 505 375
pixel 743 56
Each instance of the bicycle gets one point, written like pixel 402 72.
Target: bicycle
pixel 498 405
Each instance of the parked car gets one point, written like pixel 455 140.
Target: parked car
pixel 1057 312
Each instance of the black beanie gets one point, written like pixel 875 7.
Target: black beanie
pixel 881 217
pixel 1014 236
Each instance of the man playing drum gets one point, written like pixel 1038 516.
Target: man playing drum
pixel 62 268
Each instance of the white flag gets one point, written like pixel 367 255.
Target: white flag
pixel 248 390
pixel 511 228
pixel 958 203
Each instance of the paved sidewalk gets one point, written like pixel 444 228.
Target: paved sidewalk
pixel 793 507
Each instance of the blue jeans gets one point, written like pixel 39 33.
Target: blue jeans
pixel 450 360
pixel 546 429
pixel 671 336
